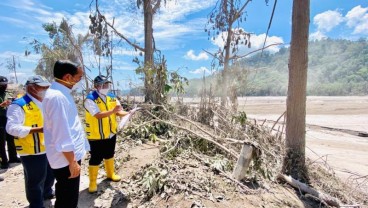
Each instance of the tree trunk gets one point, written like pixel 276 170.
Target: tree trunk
pixel 148 54
pixel 294 163
pixel 225 74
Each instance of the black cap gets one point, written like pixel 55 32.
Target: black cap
pixel 3 80
pixel 101 79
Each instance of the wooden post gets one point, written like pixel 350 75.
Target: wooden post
pixel 246 155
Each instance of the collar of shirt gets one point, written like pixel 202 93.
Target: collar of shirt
pixel 37 102
pixel 57 86
pixel 103 97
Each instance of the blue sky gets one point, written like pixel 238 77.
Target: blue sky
pixel 178 30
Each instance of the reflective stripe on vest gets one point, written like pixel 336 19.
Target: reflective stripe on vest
pixel 101 128
pixel 32 143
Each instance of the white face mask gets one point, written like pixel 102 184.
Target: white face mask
pixel 104 91
pixel 41 94
pixel 77 86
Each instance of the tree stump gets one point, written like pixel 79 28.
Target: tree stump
pixel 246 155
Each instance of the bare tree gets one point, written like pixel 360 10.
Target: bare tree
pixel 150 70
pixel 76 42
pixel 294 163
pixel 64 46
pixel 222 20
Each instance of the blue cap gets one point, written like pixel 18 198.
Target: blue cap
pixel 101 79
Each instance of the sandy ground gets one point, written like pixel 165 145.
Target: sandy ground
pixel 346 153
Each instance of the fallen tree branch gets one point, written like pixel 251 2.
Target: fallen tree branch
pixel 235 156
pixel 234 141
pixel 331 201
pixel 136 46
pixel 277 121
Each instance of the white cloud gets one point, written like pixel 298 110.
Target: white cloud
pixel 13 21
pixel 317 36
pixel 357 18
pixel 120 51
pixel 170 23
pixel 191 56
pixel 327 20
pixel 201 70
pixel 256 43
pixel 32 58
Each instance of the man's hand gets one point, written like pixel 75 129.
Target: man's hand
pixel 117 109
pixel 36 130
pixel 6 103
pixel 74 169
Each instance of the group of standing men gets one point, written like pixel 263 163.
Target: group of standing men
pixel 50 139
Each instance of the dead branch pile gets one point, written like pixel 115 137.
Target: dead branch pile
pixel 214 138
pixel 225 135
pixel 167 177
pixel 322 177
pixel 193 153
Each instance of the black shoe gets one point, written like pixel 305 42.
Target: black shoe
pixel 16 160
pixel 4 166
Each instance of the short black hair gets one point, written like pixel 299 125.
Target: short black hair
pixel 63 67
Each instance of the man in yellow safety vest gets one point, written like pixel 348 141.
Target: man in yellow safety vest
pixel 101 128
pixel 25 123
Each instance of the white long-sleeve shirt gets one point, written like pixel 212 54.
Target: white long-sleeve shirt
pixel 63 129
pixel 16 117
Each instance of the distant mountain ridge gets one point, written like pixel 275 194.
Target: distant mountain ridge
pixel 336 68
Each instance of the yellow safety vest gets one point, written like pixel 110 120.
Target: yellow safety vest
pixel 32 143
pixel 97 129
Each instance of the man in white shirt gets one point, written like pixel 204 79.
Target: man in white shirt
pixel 25 123
pixel 65 140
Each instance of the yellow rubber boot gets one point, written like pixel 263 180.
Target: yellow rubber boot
pixel 110 170
pixel 93 172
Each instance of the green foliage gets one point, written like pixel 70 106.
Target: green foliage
pixel 241 118
pixel 205 146
pixel 154 180
pixel 63 46
pixel 148 131
pixel 177 83
pixel 219 162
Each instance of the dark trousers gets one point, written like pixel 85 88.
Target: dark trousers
pixel 66 189
pixel 6 139
pixel 101 149
pixel 38 178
